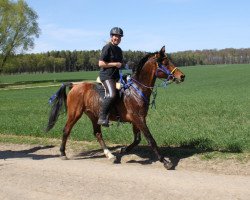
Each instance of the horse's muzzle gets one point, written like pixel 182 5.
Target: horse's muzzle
pixel 179 80
pixel 182 78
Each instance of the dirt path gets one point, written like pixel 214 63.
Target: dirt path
pixel 35 172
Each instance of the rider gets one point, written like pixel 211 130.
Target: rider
pixel 110 61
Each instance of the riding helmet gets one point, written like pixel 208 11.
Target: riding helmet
pixel 116 31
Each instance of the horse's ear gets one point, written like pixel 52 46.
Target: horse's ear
pixel 162 51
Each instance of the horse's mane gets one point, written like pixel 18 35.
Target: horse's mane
pixel 141 63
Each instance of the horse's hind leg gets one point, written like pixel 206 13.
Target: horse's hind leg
pixel 137 140
pixel 98 135
pixel 72 119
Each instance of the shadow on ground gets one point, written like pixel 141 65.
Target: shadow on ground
pixel 144 154
pixel 29 153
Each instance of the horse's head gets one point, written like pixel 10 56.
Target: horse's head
pixel 166 69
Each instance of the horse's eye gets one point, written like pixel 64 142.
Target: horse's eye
pixel 166 62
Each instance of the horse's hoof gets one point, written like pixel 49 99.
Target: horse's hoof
pixel 167 164
pixel 64 158
pixel 117 160
pixel 112 159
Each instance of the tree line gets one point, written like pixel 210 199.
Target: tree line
pixel 69 61
pixel 212 57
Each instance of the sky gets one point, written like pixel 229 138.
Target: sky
pixel 147 24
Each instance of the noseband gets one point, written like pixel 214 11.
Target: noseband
pixel 170 74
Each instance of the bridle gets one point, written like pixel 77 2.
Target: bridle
pixel 162 68
pixel 165 71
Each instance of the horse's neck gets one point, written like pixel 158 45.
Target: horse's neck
pixel 146 79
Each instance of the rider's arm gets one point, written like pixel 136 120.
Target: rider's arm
pixel 104 64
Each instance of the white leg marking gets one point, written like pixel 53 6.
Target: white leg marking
pixel 108 154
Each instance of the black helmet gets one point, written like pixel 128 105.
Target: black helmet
pixel 116 31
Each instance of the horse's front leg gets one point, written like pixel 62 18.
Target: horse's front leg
pixel 137 140
pixel 151 141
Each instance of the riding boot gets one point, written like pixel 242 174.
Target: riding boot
pixel 103 117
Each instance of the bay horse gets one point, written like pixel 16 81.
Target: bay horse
pixel 131 107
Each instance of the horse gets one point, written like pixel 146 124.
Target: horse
pixel 132 106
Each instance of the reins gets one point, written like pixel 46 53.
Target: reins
pixel 130 82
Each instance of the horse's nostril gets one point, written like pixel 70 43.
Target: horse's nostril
pixel 182 77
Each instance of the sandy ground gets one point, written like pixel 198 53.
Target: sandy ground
pixel 36 172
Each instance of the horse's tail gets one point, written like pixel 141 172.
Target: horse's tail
pixel 57 101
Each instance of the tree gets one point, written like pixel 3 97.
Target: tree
pixel 18 27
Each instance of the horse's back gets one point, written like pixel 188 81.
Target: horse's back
pixel 83 96
pixel 79 88
pixel 87 96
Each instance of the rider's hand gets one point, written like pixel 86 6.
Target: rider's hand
pixel 118 65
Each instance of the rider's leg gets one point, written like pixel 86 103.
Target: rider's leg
pixel 107 101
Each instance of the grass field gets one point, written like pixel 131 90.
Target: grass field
pixel 209 111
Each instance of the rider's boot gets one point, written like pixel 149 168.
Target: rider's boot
pixel 103 117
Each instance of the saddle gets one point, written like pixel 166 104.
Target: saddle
pixel 119 85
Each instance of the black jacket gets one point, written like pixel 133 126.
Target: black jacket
pixel 110 53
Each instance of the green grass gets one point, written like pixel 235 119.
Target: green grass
pixel 45 78
pixel 210 111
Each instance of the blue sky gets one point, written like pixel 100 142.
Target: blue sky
pixel 147 24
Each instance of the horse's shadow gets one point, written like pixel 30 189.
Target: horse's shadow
pixel 28 153
pixel 144 154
